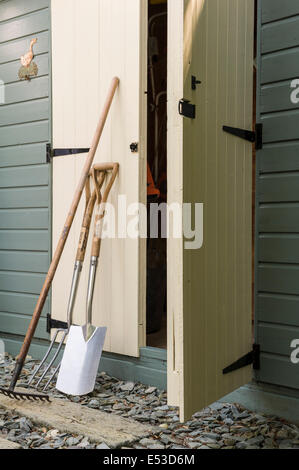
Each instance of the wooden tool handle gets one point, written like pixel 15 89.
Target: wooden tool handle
pixel 66 229
pixel 99 218
pixel 85 227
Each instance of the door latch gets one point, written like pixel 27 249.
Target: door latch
pixel 187 109
pixel 134 147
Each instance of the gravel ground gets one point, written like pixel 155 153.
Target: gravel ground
pixel 221 426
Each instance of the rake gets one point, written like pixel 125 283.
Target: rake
pixel 11 392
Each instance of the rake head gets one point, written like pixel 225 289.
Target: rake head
pixel 18 395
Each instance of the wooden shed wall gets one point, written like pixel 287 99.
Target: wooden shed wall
pixel 277 239
pixel 25 176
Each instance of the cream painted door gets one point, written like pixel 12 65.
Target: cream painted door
pixel 209 311
pixel 92 41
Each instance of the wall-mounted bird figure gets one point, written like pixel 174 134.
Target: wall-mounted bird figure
pixel 29 68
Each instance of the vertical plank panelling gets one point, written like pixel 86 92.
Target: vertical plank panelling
pixel 218 50
pixel 175 385
pixel 106 39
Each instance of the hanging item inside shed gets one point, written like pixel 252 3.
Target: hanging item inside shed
pixel 29 69
pixel 156 327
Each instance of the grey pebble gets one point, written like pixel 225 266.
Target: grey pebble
pixel 103 446
pixel 76 399
pixel 128 387
pixel 150 390
pixel 215 407
pixel 38 442
pixel 175 447
pixel 163 408
pixel 156 446
pixel 147 442
pixel 221 425
pixel 193 444
pixel 282 434
pixel 25 424
pixel 228 421
pixel 57 444
pixel 93 404
pixel 165 439
pixel 11 425
pixel 211 435
pixel 72 441
pixel 241 445
pixel 286 444
pixel 206 440
pixel 255 441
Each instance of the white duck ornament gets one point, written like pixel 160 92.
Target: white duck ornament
pixel 28 68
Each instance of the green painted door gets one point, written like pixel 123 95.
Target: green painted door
pixel 25 175
pixel 277 230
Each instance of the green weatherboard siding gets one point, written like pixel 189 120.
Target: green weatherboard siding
pixel 277 214
pixel 25 176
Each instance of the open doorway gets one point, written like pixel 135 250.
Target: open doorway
pixel 157 171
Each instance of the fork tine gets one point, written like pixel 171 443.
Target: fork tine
pixel 52 377
pixel 53 359
pixel 44 358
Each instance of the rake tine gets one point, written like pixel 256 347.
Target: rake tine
pixel 19 395
pixel 45 358
pixel 53 359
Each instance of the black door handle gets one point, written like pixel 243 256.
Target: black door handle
pixel 194 82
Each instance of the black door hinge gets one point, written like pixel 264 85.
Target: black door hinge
pixel 251 136
pixel 51 153
pixel 187 109
pixel 55 324
pixel 251 358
